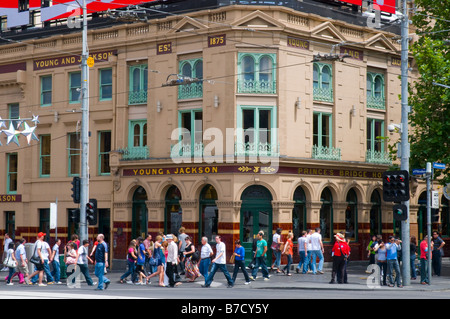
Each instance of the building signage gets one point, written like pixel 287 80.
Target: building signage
pixel 397 62
pixel 217 40
pixel 10 68
pixel 297 43
pixel 252 169
pixel 70 60
pixel 10 198
pixel 164 48
pixel 354 54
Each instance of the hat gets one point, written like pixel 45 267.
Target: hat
pixel 41 234
pixel 339 237
pixel 169 237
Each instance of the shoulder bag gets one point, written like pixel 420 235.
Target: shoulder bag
pixel 35 260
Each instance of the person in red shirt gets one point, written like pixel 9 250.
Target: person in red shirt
pixel 340 252
pixel 424 261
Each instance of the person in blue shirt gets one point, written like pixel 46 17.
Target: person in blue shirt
pixel 392 262
pixel 101 261
pixel 239 257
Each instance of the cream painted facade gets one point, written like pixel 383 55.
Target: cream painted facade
pixel 290 102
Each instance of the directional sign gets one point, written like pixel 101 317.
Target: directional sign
pixel 439 165
pixel 419 171
pixel 434 199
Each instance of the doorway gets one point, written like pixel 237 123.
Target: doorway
pixel 139 222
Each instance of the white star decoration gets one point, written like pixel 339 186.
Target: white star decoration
pixel 28 132
pixel 13 132
pixel 2 123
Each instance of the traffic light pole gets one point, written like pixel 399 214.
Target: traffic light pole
pixel 428 177
pixel 84 192
pixel 405 147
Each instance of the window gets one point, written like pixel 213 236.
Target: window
pixel 258 131
pixel 24 5
pixel 138 84
pixel 326 215
pixel 322 138
pixel 322 82
pixel 44 222
pixel 46 90
pixel 375 91
pixel 257 73
pixel 209 213
pixel 351 216
pixel 299 212
pixel 14 113
pixel 74 154
pixel 11 183
pixel 105 84
pixel 10 224
pixel 44 158
pixel 375 143
pixel 138 133
pixel 74 87
pixel 191 134
pixel 191 69
pixel 104 148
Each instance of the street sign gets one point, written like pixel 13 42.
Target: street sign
pixel 419 171
pixel 439 165
pixel 90 62
pixel 434 199
pixel 53 215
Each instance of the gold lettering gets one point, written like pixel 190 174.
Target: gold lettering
pixel 188 170
pixel 300 170
pixel 194 170
pixel 160 171
pixel 214 169
pixel 141 172
pixel 207 170
pixel 135 171
pixel 181 170
pixel 154 171
pixel 176 171
pixel 200 170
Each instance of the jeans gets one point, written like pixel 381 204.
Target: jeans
pixel 12 270
pixel 240 264
pixel 260 261
pixel 56 272
pixel 289 263
pixel 46 271
pixel 204 267
pixel 277 261
pixel 100 274
pixel 436 262
pixel 84 269
pixel 130 271
pixel 383 268
pixel 393 265
pixel 413 266
pixel 303 261
pixel 338 268
pixel 424 271
pixel 314 255
pixel 214 269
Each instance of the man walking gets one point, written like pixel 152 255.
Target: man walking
pixel 205 257
pixel 38 254
pixel 436 260
pixel 172 261
pixel 22 261
pixel 302 251
pixel 101 261
pixel 82 262
pixel 260 257
pixel 56 272
pixel 219 263
pixel 316 251
pixel 392 262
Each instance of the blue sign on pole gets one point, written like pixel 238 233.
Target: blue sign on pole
pixel 439 165
pixel 419 171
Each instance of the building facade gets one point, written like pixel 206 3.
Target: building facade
pixel 272 136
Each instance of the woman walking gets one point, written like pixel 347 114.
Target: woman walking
pixel 158 254
pixel 239 262
pixel 289 252
pixel 140 262
pixel 11 263
pixel 276 248
pixel 191 266
pixel 131 262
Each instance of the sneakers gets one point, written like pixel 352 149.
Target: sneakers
pixel 10 284
pixel 107 284
pixel 266 279
pixel 251 278
pixel 42 285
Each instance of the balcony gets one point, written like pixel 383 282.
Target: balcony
pixel 376 157
pixel 137 97
pixel 134 153
pixel 326 153
pixel 376 102
pixel 190 91
pixel 257 87
pixel 323 95
pixel 256 149
pixel 187 151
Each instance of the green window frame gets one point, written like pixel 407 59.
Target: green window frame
pixel 14 112
pixel 137 134
pixel 190 124
pixel 74 154
pixel 138 80
pixel 105 84
pixel 192 68
pixel 323 137
pixel 322 82
pixel 375 91
pixel 326 218
pixel 46 90
pixel 375 130
pixel 74 87
pixel 12 173
pixel 44 155
pixel 261 122
pixel 104 147
pixel 257 73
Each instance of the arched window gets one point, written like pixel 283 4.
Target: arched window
pixel 375 91
pixel 326 215
pixel 248 68
pixel 322 82
pixel 139 222
pixel 299 212
pixel 173 220
pixel 257 73
pixel 209 213
pixel 351 216
pixel 191 69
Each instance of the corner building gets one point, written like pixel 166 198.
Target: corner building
pixel 272 137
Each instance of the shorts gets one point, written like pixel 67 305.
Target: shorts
pixel 39 267
pixel 22 269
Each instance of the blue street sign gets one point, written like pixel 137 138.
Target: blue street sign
pixel 439 165
pixel 419 171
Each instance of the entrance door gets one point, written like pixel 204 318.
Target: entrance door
pixel 256 215
pixel 139 223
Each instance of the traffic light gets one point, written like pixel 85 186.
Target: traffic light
pixel 396 186
pixel 434 215
pixel 400 212
pixel 91 212
pixel 76 190
pixel 74 215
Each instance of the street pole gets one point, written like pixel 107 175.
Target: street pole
pixel 405 147
pixel 428 176
pixel 84 178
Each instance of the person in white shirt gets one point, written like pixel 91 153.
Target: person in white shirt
pixel 6 243
pixel 172 261
pixel 219 263
pixel 83 260
pixel 46 252
pixel 316 251
pixel 22 262
pixel 205 257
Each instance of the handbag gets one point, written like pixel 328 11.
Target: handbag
pixel 35 260
pixel 275 246
pixel 9 262
pixel 232 259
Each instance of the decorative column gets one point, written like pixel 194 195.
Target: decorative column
pixel 229 223
pixel 282 216
pixel 121 216
pixel 313 214
pixel 155 216
pixel 190 217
